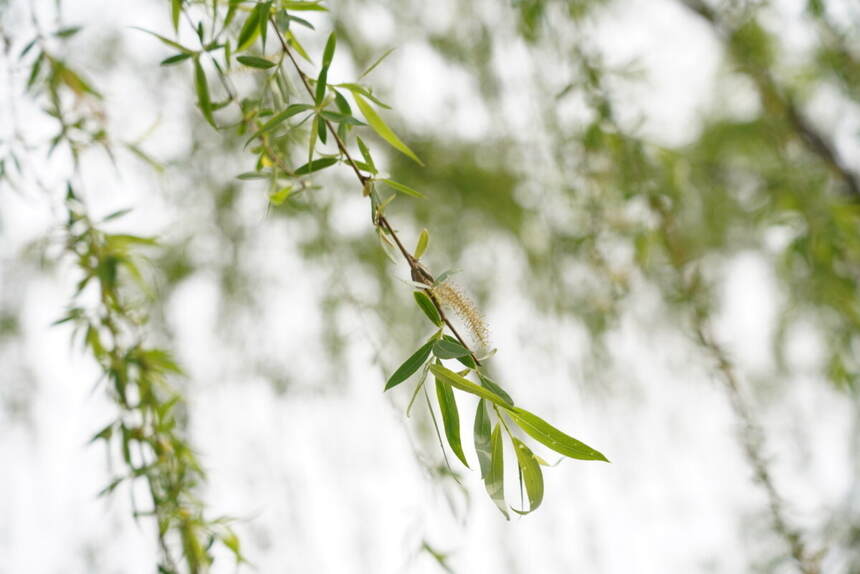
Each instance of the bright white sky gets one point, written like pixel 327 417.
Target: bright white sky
pixel 330 483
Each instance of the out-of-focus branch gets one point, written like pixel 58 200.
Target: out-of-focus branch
pixel 769 90
pixel 752 438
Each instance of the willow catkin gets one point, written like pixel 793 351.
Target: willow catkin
pixel 451 297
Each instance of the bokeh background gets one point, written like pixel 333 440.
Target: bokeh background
pixel 555 135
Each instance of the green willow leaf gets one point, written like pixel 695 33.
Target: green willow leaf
pixel 321 86
pixel 166 41
pixel 361 90
pixel 174 59
pixel 532 475
pixel 466 385
pixel 255 62
pixel 545 433
pixel 450 419
pixel 423 241
pixel 203 93
pixel 376 62
pixel 175 11
pixel 328 53
pixel 381 128
pixel 447 349
pixel 426 305
pixel 490 384
pixel 341 118
pixel 316 165
pixel 304 6
pixel 365 153
pixel 250 29
pixel 409 366
pixel 279 118
pixel 400 187
pixel 483 445
pixel 495 479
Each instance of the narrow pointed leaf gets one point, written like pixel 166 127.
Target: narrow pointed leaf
pixel 447 349
pixel 409 366
pixel 488 383
pixel 321 86
pixel 495 479
pixel 376 63
pixel 316 165
pixel 450 419
pixel 278 118
pixel 328 53
pixel 304 6
pixel 532 475
pixel 423 240
pixel 483 444
pixel 203 92
pixel 250 29
pixel 176 9
pixel 426 305
pixel 403 188
pixel 365 153
pixel 256 62
pixel 545 433
pixel 464 384
pixel 381 128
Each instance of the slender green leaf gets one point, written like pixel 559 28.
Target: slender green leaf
pixel 203 92
pixel 175 59
pixel 423 240
pixel 531 474
pixel 409 366
pixel 321 86
pixel 304 6
pixel 176 10
pixel 297 46
pixel 487 382
pixel 450 419
pixel 483 445
pixel 365 153
pixel 545 433
pixel 381 128
pixel 250 29
pixel 328 53
pixel 341 118
pixel 167 41
pixel 426 305
pixel 67 32
pixel 466 385
pixel 278 118
pixel 359 89
pixel 446 349
pixel 495 479
pixel 256 62
pixel 316 165
pixel 280 196
pixel 376 63
pixel 402 188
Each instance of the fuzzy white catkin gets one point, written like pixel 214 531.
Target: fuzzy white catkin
pixel 451 297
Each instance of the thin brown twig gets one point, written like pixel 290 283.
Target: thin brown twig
pixel 418 271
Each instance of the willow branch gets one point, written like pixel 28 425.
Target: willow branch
pixel 419 273
pixel 752 437
pixel 767 87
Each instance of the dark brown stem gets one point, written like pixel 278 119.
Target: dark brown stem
pixel 419 272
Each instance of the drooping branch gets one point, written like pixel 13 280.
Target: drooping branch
pixel 419 273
